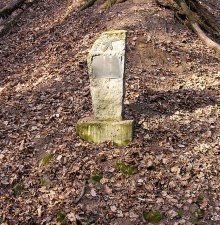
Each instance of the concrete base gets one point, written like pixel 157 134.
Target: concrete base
pixel 119 132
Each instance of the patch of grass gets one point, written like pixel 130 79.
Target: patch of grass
pixel 196 216
pixel 96 176
pixel 45 160
pixel 152 216
pixel 179 214
pixel 17 189
pixel 200 198
pixel 125 169
pixel 61 217
pixel 45 182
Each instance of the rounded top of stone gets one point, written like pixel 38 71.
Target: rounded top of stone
pixel 119 34
pixel 111 43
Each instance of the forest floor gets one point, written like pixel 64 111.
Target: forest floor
pixel 49 176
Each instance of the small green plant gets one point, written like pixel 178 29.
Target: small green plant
pixel 200 198
pixel 125 169
pixel 196 216
pixel 46 159
pixel 96 176
pixel 45 182
pixel 179 214
pixel 152 216
pixel 61 217
pixel 17 188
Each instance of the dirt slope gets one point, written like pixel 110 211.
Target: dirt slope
pixel 172 93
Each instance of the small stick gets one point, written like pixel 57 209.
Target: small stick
pixel 82 192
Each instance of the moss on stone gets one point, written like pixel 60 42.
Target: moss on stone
pixel 120 143
pixel 119 132
pixel 121 34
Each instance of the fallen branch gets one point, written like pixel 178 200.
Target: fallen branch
pixel 88 4
pixel 12 19
pixel 106 5
pixel 10 8
pixel 196 28
pixel 82 193
pixel 5 28
pixel 168 4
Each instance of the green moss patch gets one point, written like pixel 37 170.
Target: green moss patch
pixel 96 176
pixel 61 217
pixel 45 160
pixel 119 132
pixel 152 216
pixel 125 169
pixel 196 216
pixel 45 182
pixel 17 189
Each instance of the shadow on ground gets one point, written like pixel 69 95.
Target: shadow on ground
pixel 151 103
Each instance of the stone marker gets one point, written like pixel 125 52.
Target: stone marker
pixel 106 69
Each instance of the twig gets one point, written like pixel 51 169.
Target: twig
pixel 82 192
pixel 7 10
pixel 88 4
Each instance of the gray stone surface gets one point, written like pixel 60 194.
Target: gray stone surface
pixel 106 68
pixel 107 98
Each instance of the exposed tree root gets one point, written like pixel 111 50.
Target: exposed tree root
pixel 4 29
pixel 205 39
pixel 198 17
pixel 88 4
pixel 106 5
pixel 196 28
pixel 207 20
pixel 11 14
pixel 11 7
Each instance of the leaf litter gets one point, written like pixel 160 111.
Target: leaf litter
pixel 172 93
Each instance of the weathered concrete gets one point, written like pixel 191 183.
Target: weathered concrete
pixel 106 68
pixel 107 99
pixel 119 132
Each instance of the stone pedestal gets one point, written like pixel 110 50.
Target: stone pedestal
pixel 119 132
pixel 106 69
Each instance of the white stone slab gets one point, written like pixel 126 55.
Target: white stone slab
pixel 106 69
